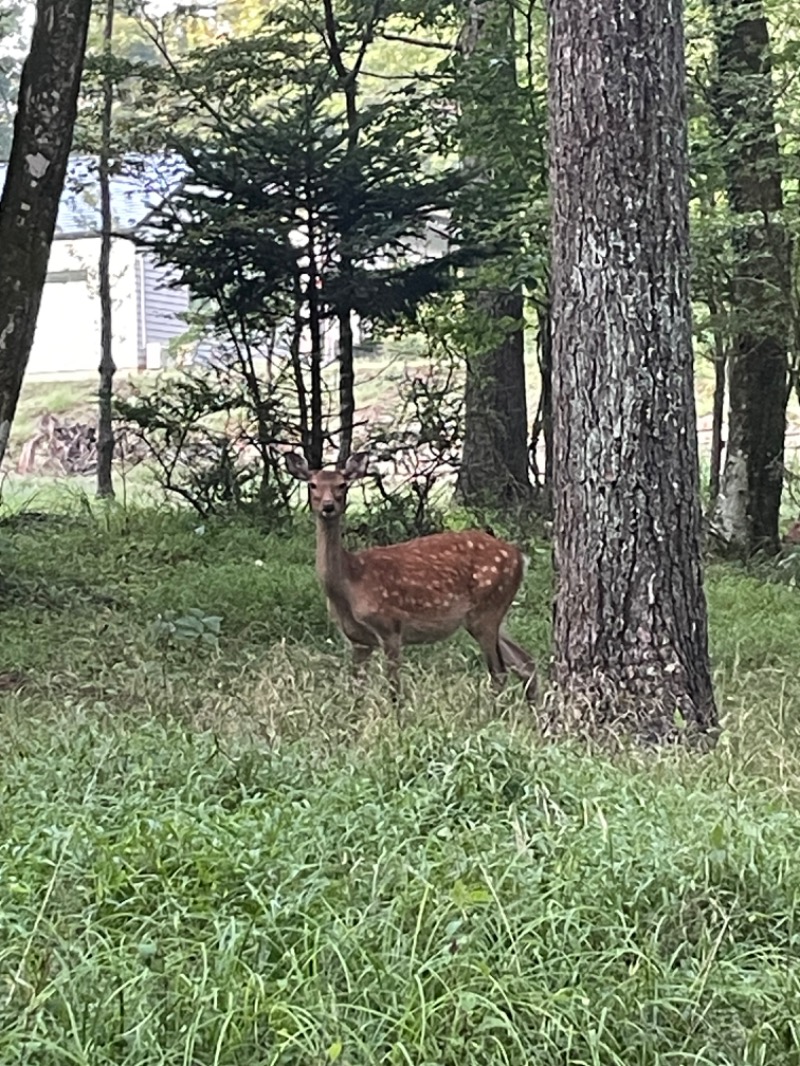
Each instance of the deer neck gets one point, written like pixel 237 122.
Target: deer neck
pixel 331 557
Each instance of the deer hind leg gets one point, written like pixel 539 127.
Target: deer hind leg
pixel 520 662
pixel 487 634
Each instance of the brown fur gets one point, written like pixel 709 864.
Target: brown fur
pixel 417 592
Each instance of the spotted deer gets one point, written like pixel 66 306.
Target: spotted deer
pixel 418 592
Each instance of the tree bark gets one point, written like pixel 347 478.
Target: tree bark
pixel 347 403
pixel 717 424
pixel 107 369
pixel 37 166
pixel 316 435
pixel 494 461
pixel 348 83
pixel 543 422
pixel 630 624
pixel 494 464
pixel 748 507
pixel 718 408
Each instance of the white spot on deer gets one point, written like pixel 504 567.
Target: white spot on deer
pixel 502 554
pixel 493 569
pixel 470 544
pixel 37 165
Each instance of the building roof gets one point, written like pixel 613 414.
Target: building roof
pixel 140 186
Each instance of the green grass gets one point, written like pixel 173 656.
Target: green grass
pixel 227 854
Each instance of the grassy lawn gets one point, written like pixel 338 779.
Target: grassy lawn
pixel 220 852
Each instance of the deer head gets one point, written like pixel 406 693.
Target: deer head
pixel 327 489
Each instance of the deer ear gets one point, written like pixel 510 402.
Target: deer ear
pixel 297 466
pixel 356 466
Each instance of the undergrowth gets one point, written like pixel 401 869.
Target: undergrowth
pixel 214 849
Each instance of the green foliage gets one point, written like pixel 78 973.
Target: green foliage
pixel 419 449
pixel 496 80
pixel 269 212
pixel 193 627
pixel 209 436
pixel 11 58
pixel 719 251
pixel 240 858
pixel 307 199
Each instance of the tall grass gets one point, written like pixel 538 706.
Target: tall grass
pixel 221 852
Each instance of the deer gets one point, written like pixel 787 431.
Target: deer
pixel 420 591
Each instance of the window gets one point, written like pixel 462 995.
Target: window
pixel 66 275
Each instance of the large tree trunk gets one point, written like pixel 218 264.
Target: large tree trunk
pixel 630 625
pixel 42 138
pixel 107 369
pixel 494 463
pixel 749 502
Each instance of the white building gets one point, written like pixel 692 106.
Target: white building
pixel 146 310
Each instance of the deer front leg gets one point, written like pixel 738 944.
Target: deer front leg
pixel 392 648
pixel 361 653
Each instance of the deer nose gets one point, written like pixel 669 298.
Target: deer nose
pixel 328 507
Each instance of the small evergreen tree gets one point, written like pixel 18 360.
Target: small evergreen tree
pixel 288 221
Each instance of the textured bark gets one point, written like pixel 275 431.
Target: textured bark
pixel 494 462
pixel 107 369
pixel 494 466
pixel 630 625
pixel 748 507
pixel 42 138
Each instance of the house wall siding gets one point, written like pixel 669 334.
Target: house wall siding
pixel 162 306
pixel 67 338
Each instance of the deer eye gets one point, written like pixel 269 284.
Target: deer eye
pixel 312 484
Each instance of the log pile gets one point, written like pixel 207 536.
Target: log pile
pixel 64 447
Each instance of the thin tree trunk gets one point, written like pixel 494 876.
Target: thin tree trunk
pixel 346 386
pixel 542 429
pixel 316 436
pixel 748 508
pixel 717 410
pixel 297 366
pixel 630 626
pixel 545 357
pixel 494 462
pixel 717 423
pixel 348 80
pixel 37 167
pixel 107 369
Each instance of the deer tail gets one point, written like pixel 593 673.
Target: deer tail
pixel 519 662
